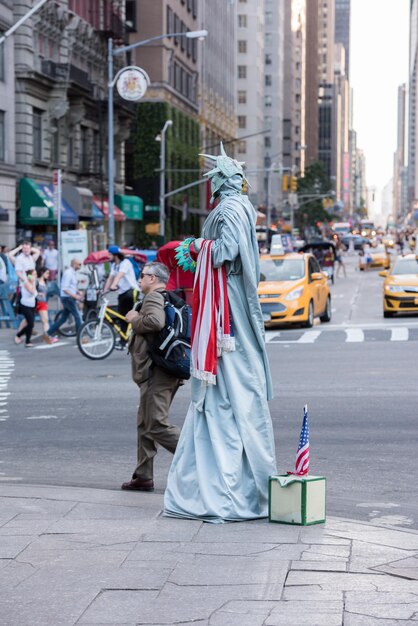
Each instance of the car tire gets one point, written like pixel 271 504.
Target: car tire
pixel 326 317
pixel 310 321
pixel 388 314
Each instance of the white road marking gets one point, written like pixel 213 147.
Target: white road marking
pixel 6 369
pixel 43 417
pixel 9 478
pixel 354 335
pixel 399 334
pixel 309 336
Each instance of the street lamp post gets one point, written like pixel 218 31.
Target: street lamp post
pixel 162 179
pixel 193 34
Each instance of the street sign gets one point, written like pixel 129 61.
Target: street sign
pixel 132 83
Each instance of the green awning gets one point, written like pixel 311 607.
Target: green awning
pixel 132 206
pixel 35 206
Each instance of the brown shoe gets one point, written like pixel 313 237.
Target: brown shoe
pixel 47 338
pixel 139 484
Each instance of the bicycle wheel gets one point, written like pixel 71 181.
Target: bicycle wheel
pixel 95 343
pixel 68 328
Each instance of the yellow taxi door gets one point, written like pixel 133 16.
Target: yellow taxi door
pixel 317 287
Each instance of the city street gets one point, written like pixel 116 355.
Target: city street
pixel 69 421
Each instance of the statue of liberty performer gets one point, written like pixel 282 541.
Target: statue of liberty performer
pixel 226 451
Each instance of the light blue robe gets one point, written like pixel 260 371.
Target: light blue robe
pixel 226 450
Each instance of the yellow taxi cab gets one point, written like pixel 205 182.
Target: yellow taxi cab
pixel 400 288
pixel 293 290
pixel 377 256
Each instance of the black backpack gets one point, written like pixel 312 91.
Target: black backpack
pixel 170 350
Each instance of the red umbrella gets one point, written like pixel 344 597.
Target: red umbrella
pixel 103 256
pixel 179 279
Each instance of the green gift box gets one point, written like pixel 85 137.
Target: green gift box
pixel 299 500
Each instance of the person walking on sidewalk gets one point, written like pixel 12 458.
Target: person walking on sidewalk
pixel 157 388
pixel 27 308
pixel 69 297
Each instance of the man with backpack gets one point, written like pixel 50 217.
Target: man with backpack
pixel 157 385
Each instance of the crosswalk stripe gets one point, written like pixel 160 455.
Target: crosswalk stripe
pixel 399 334
pixel 354 335
pixel 309 336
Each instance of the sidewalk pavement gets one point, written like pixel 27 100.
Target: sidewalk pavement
pixel 89 556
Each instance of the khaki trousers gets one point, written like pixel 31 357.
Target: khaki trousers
pixel 157 394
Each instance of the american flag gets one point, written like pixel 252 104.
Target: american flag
pixel 302 455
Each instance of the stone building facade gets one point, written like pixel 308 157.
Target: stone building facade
pixel 7 131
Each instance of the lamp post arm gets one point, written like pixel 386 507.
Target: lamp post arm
pixel 146 41
pixel 22 20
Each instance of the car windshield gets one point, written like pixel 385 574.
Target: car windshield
pixel 282 269
pixel 405 266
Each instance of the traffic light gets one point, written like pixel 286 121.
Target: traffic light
pixel 285 182
pixel 293 183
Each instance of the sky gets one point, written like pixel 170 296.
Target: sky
pixel 379 47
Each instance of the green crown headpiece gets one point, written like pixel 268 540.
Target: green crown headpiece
pixel 226 167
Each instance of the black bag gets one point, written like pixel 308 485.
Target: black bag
pixel 170 350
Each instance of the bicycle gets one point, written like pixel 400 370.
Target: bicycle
pixel 96 338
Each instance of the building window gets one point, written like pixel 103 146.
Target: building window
pixel 242 71
pixel 96 152
pixel 268 59
pixel 267 122
pixel 268 39
pixel 37 134
pixel 70 147
pixel 242 121
pixel 267 80
pixel 170 20
pixel 242 97
pixel 267 101
pixel 84 157
pixel 1 59
pixel 242 21
pixel 183 29
pixel 189 5
pixel 242 147
pixel 268 18
pixel 242 46
pixel 267 142
pixel 55 147
pixel 2 136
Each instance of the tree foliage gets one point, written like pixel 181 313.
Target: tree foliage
pixel 314 182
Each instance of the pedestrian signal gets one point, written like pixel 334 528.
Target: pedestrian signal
pixel 293 183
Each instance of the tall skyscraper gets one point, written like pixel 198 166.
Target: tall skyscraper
pixel 413 103
pixel 399 208
pixel 251 79
pixel 342 29
pixel 273 101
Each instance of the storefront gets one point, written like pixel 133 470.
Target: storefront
pixel 36 211
pixel 133 209
pixel 119 217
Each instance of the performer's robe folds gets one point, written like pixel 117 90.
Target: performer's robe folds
pixel 226 450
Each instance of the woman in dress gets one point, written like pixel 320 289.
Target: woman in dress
pixel 226 450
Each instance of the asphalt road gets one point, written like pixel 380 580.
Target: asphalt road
pixel 65 420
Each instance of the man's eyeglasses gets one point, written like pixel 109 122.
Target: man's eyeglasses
pixel 144 274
